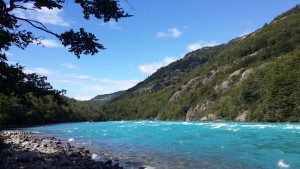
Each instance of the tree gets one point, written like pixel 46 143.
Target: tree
pixel 80 42
pixel 29 98
pixel 13 81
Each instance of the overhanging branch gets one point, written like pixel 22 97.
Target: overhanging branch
pixel 31 22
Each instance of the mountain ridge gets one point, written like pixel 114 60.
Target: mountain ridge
pixel 224 82
pixel 104 98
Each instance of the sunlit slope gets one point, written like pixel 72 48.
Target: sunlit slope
pixel 253 78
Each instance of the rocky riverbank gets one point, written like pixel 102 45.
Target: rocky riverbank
pixel 26 151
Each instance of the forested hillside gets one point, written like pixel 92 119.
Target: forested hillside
pixel 253 78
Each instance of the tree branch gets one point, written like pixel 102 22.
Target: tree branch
pixel 22 7
pixel 41 27
pixel 12 6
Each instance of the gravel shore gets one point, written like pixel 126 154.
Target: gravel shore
pixel 27 151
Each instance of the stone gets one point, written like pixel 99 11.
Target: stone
pixel 63 161
pixel 108 162
pixel 235 73
pixel 196 113
pixel 242 116
pixel 209 117
pixel 246 74
pixel 72 154
pixel 95 166
pixel 25 157
pixel 44 145
pixel 193 83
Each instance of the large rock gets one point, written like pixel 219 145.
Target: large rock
pixel 26 157
pixel 196 113
pixel 209 117
pixel 72 154
pixel 242 116
pixel 63 161
pixel 246 74
pixel 235 73
pixel 193 83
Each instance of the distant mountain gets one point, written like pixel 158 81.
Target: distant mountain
pixel 101 99
pixel 252 78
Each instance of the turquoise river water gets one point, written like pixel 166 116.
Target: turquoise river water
pixel 186 145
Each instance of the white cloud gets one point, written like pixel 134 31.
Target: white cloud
pixel 41 70
pixel 117 85
pixel 193 46
pixel 83 76
pixel 43 15
pixel 86 90
pixel 172 33
pixel 152 67
pixel 50 43
pixel 69 66
pixel 200 44
pixel 111 24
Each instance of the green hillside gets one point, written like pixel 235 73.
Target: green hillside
pixel 253 78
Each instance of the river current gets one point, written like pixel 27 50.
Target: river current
pixel 186 145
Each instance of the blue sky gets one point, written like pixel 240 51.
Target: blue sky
pixel 159 32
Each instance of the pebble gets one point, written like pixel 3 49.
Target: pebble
pixel 28 151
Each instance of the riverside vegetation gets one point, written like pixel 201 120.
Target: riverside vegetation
pixel 252 78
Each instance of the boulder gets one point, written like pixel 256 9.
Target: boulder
pixel 242 116
pixel 26 157
pixel 63 161
pixel 246 74
pixel 196 113
pixel 209 117
pixel 72 154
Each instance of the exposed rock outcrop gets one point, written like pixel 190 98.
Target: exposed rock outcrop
pixel 235 73
pixel 242 116
pixel 190 84
pixel 209 117
pixel 246 74
pixel 197 112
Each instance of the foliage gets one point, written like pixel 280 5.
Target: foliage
pixel 81 42
pixel 13 81
pixel 257 74
pixel 27 99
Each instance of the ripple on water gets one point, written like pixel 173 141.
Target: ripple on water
pixel 282 164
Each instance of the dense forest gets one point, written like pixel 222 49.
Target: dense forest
pixel 27 99
pixel 252 78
